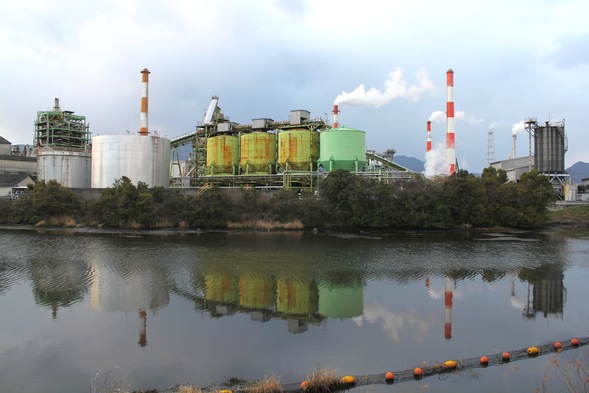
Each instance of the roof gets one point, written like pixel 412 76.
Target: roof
pixel 4 141
pixel 12 179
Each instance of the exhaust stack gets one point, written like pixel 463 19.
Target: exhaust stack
pixel 428 144
pixel 450 145
pixel 335 116
pixel 144 91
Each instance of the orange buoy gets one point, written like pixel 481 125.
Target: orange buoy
pixel 533 351
pixel 348 380
pixel 417 372
pixel 505 356
pixel 304 385
pixel 389 377
pixel 484 361
pixel 557 345
pixel 575 342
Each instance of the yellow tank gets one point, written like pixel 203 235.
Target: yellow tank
pixel 220 287
pixel 294 297
pixel 257 153
pixel 256 291
pixel 222 155
pixel 298 149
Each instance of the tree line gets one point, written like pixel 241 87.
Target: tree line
pixel 342 200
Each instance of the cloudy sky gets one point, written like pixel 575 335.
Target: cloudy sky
pixel 385 62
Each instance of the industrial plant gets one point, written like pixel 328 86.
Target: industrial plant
pixel 284 154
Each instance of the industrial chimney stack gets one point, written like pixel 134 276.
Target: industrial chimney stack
pixel 335 116
pixel 450 145
pixel 144 90
pixel 428 145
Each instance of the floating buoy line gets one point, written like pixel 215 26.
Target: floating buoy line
pixel 424 371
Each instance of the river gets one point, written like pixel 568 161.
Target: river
pixel 82 310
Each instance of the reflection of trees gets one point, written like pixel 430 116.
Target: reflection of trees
pixel 58 283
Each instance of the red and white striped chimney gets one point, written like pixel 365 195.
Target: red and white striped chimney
pixel 450 145
pixel 335 116
pixel 144 90
pixel 428 144
pixel 448 295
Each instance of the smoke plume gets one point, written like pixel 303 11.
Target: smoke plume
pixel 437 116
pixel 518 127
pixel 436 162
pixel 395 87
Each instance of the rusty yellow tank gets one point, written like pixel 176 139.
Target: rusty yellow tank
pixel 256 291
pixel 257 152
pixel 295 297
pixel 222 155
pixel 298 149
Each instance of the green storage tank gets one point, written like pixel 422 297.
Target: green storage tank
pixel 257 152
pixel 342 148
pixel 222 155
pixel 298 149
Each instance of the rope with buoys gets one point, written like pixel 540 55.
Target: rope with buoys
pixel 421 372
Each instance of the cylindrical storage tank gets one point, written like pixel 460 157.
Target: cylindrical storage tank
pixel 342 148
pixel 222 155
pixel 549 148
pixel 298 149
pixel 71 169
pixel 295 297
pixel 256 291
pixel 257 153
pixel 140 158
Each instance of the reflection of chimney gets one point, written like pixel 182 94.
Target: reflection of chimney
pixel 144 90
pixel 428 144
pixel 450 145
pixel 335 116
pixel 143 330
pixel 448 308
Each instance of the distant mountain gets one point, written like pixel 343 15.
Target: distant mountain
pixel 579 171
pixel 410 163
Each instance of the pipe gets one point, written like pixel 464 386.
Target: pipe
pixel 144 92
pixel 335 116
pixel 450 142
pixel 428 144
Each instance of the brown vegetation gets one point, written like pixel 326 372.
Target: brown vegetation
pixel 266 225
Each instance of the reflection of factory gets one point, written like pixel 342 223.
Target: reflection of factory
pixel 549 143
pixel 264 297
pixel 546 293
pixel 113 290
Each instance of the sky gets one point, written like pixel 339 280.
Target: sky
pixel 383 62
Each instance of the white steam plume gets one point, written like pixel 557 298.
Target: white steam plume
pixel 436 162
pixel 437 116
pixel 493 125
pixel 395 87
pixel 518 127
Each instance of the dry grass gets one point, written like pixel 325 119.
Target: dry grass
pixel 189 389
pixel 574 213
pixel 266 225
pixel 62 221
pixel 572 373
pixel 323 380
pixel 270 384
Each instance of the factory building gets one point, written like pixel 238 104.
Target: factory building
pixel 17 169
pixel 550 145
pixel 62 147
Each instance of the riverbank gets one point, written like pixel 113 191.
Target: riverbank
pixel 571 217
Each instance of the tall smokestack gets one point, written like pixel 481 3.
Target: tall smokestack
pixel 513 144
pixel 144 90
pixel 56 107
pixel 450 146
pixel 335 116
pixel 428 144
pixel 448 295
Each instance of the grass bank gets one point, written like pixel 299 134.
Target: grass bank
pixel 575 215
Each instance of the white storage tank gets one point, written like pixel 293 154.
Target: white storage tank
pixel 71 169
pixel 141 158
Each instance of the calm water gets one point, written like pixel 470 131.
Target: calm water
pixel 81 309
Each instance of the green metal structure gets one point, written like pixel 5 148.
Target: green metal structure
pixel 61 129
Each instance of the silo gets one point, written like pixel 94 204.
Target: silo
pixel 298 149
pixel 549 148
pixel 342 148
pixel 222 155
pixel 71 169
pixel 140 158
pixel 257 153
